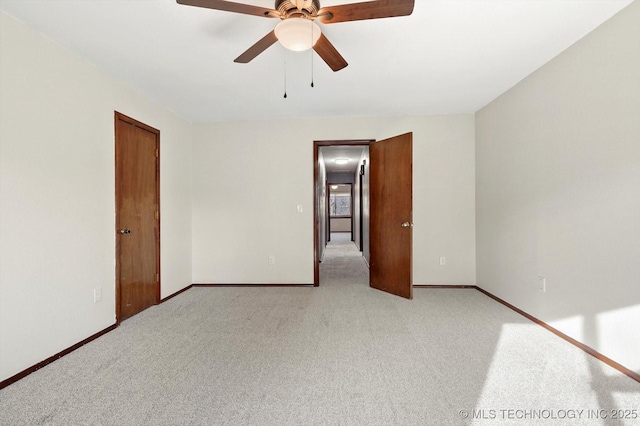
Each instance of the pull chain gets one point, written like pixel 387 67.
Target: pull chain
pixel 312 68
pixel 285 79
pixel 311 56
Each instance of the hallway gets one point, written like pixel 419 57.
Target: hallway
pixel 343 263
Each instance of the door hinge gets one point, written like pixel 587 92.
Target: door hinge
pixel 157 278
pixel 156 215
pixel 157 153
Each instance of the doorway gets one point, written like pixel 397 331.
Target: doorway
pixel 341 175
pixel 385 180
pixel 137 171
pixel 341 212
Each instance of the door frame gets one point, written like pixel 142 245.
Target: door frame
pixel 121 117
pixel 361 208
pixel 316 150
pixel 351 219
pixel 327 236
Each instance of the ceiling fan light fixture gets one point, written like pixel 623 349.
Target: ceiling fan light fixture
pixel 297 34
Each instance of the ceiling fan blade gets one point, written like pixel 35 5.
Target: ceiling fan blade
pixel 262 45
pixel 329 54
pixel 232 7
pixel 365 10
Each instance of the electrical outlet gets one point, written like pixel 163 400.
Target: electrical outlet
pixel 97 294
pixel 299 208
pixel 443 261
pixel 272 260
pixel 542 284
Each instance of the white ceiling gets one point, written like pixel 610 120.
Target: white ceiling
pixel 450 56
pixel 331 153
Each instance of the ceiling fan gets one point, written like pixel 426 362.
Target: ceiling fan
pixel 297 29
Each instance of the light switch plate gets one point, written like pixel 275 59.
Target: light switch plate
pixel 97 294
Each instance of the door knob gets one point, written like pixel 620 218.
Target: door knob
pixel 125 231
pixel 407 225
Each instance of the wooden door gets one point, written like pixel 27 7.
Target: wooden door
pixel 137 217
pixel 391 215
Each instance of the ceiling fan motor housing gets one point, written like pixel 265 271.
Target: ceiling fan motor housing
pixel 298 8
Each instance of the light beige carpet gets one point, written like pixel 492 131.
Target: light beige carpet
pixel 340 354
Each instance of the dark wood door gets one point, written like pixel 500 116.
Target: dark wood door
pixel 391 215
pixel 137 217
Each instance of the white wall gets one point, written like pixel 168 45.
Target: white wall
pixel 340 224
pixel 57 224
pixel 558 191
pixel 249 177
pixel 357 201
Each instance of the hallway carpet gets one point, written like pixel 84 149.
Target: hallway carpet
pixel 339 354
